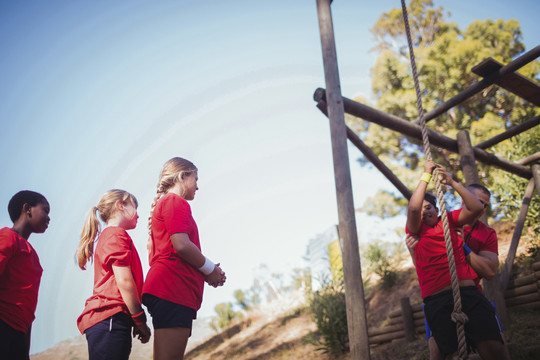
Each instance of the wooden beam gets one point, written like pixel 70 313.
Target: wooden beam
pixel 513 82
pixel 409 129
pixel 372 157
pixel 514 130
pixel 481 85
pixel 529 159
pixel 352 273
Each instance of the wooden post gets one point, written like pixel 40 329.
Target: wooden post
pixel 408 320
pixel 467 160
pixel 507 270
pixel 492 288
pixel 354 288
pixel 535 168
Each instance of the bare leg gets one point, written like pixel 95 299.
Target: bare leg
pixel 170 343
pixel 434 353
pixel 505 346
pixel 492 349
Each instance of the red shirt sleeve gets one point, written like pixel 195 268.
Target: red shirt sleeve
pixel 492 243
pixel 6 252
pixel 117 249
pixel 177 215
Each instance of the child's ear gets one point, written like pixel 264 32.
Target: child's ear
pixel 118 205
pixel 26 209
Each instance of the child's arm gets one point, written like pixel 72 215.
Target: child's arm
pixel 485 263
pixel 473 206
pixel 193 256
pixel 128 290
pixel 414 210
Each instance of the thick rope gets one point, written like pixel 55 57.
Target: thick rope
pixel 459 317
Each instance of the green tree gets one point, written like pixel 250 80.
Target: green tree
pixel 383 259
pixel 242 299
pixel 445 55
pixel 225 314
pixel 328 311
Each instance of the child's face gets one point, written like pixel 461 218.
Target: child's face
pixel 130 215
pixel 39 218
pixel 190 185
pixel 429 214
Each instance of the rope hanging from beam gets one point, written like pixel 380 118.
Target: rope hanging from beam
pixel 459 317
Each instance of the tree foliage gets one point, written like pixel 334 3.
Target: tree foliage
pixel 225 314
pixel 329 313
pixel 445 55
pixel 383 259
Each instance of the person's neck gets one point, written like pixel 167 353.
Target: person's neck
pixel 176 189
pixel 472 223
pixel 116 221
pixel 22 230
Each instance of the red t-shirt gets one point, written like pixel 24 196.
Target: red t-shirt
pixel 171 278
pixel 114 247
pixel 431 258
pixel 483 238
pixel 20 275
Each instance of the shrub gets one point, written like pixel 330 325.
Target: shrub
pixel 329 313
pixel 382 259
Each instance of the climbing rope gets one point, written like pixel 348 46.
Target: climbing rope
pixel 459 317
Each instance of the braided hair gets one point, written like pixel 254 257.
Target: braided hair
pixel 171 172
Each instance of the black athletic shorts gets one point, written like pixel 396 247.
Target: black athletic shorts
pixel 12 343
pixel 482 324
pixel 166 314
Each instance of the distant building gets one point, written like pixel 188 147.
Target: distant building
pixel 323 250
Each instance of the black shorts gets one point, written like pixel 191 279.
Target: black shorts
pixel 166 314
pixel 13 344
pixel 482 324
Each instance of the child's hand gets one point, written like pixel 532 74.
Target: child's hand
pixel 217 277
pixel 142 332
pixel 429 165
pixel 411 241
pixel 444 176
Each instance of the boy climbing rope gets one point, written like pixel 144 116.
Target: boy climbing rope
pixel 481 330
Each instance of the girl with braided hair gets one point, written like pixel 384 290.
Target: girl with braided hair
pixel 114 308
pixel 174 284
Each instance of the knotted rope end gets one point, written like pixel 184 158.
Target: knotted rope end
pixel 459 317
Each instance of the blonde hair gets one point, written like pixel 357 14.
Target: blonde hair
pixel 92 228
pixel 172 170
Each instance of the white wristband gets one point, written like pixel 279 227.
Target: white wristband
pixel 208 267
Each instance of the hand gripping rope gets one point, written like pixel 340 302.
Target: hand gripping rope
pixel 459 317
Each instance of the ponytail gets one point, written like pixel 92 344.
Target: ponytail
pixel 91 228
pixel 89 233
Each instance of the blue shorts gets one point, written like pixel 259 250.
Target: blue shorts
pixel 12 343
pixel 166 314
pixel 110 339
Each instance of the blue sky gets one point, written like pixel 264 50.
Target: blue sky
pixel 97 95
